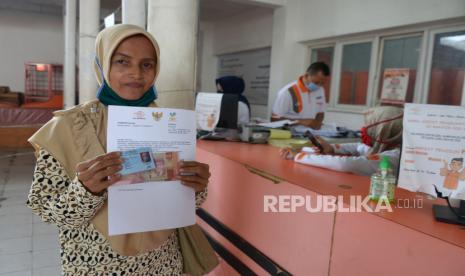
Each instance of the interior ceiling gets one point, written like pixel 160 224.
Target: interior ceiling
pixel 210 10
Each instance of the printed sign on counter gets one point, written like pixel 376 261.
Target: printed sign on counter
pixel 433 150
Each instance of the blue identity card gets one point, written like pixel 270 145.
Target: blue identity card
pixel 137 160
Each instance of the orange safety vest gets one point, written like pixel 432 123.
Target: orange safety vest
pixel 295 91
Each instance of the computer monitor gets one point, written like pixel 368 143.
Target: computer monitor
pixel 228 113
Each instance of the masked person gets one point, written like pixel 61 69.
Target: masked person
pixel 236 86
pixel 73 170
pixel 381 136
pixel 304 100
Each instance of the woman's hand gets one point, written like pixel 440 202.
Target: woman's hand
pixel 100 172
pixel 286 153
pixel 194 174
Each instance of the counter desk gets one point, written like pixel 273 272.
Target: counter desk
pixel 407 241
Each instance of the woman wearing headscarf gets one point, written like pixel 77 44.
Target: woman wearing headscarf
pixel 73 170
pixel 236 86
pixel 381 136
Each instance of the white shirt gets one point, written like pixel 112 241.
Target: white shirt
pixel 313 102
pixel 358 163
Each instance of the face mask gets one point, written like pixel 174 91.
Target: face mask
pixel 312 86
pixel 107 96
pixel 366 139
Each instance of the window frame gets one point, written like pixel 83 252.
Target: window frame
pixel 429 60
pixel 309 58
pixel 426 31
pixel 335 84
pixel 379 74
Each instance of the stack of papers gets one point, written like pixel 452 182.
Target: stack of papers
pixel 278 124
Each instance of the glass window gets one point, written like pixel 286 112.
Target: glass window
pixel 355 68
pixel 401 53
pixel 325 55
pixel 447 69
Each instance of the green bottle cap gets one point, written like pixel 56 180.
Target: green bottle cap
pixel 384 164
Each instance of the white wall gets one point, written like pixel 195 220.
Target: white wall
pixel 320 19
pixel 27 37
pixel 207 61
pixel 305 20
pixel 247 31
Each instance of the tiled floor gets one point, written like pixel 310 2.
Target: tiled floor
pixel 27 246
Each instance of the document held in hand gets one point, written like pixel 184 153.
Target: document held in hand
pixel 152 141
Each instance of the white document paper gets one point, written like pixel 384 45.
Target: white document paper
pixel 151 200
pixel 278 124
pixel 207 108
pixel 433 150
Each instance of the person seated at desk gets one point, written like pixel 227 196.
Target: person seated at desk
pixel 304 100
pixel 235 85
pixel 381 136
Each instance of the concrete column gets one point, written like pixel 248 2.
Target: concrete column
pixel 134 12
pixel 69 70
pixel 277 61
pixel 89 22
pixel 288 59
pixel 174 25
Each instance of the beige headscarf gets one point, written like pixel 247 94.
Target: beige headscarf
pixel 109 39
pixel 383 128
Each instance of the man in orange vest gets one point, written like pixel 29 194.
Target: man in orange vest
pixel 304 100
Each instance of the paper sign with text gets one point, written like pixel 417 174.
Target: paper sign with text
pixel 433 149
